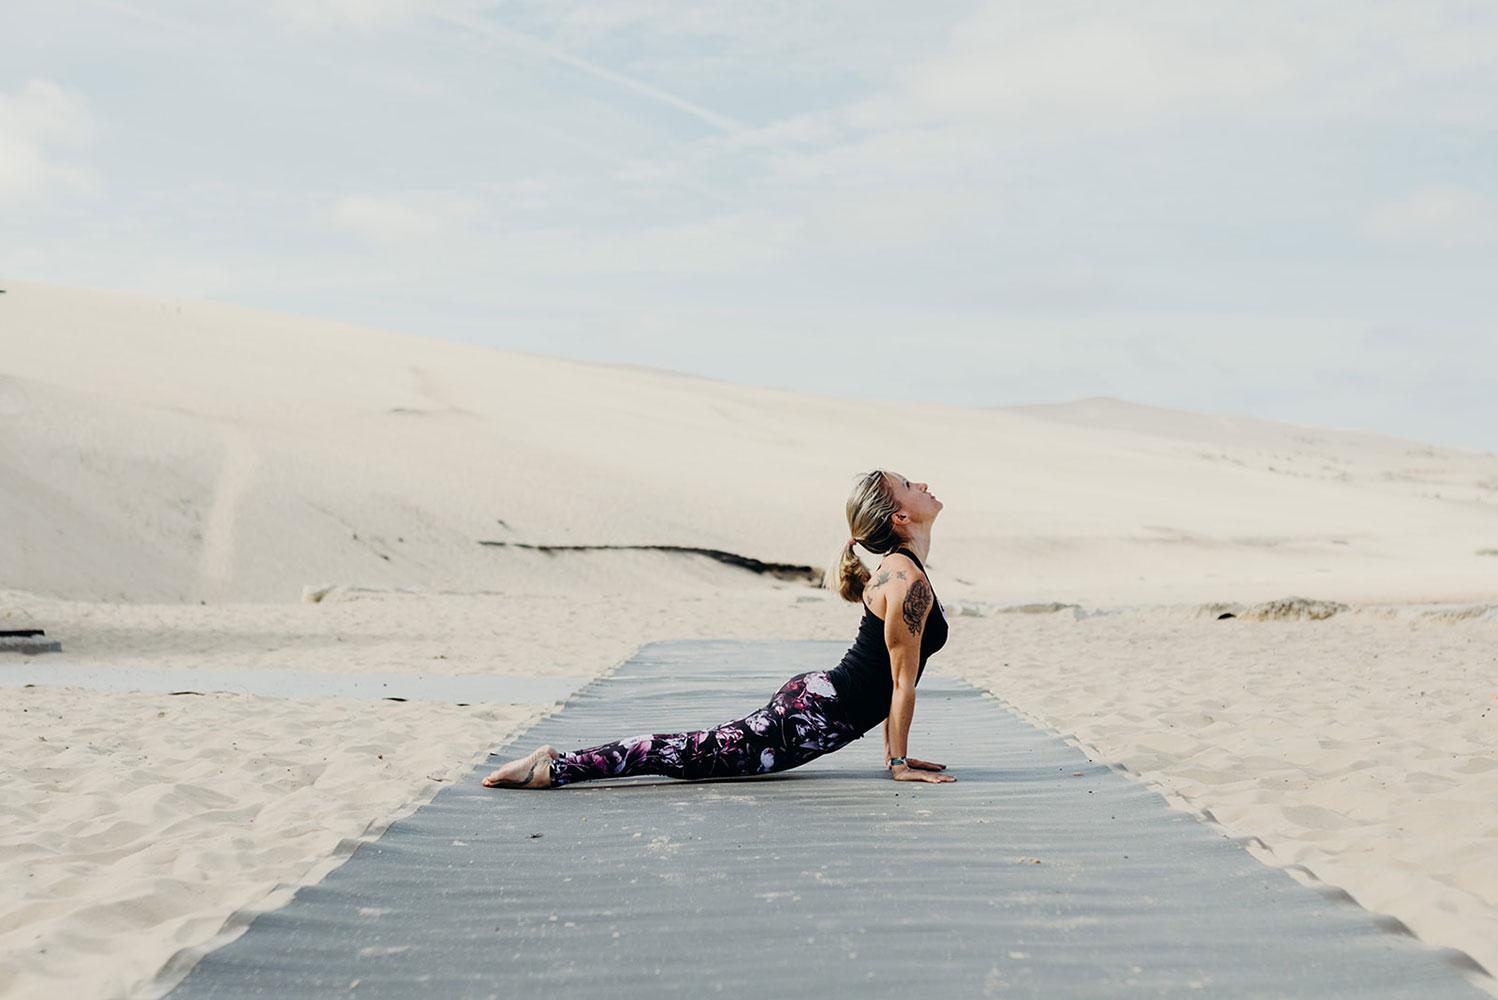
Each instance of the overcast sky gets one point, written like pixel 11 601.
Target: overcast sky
pixel 1282 209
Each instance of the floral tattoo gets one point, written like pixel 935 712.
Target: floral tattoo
pixel 917 603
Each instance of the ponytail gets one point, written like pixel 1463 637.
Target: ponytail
pixel 871 508
pixel 849 575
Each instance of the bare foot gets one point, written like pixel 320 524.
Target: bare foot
pixel 533 771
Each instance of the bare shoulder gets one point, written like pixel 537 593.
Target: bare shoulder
pixel 901 570
pixel 899 591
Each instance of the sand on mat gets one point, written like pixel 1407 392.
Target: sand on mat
pixel 174 475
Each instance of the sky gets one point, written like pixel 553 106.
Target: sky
pixel 1278 209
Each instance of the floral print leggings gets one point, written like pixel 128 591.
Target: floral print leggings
pixel 802 722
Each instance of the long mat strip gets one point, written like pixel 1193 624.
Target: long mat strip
pixel 1037 874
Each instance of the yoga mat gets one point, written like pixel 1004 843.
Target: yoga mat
pixel 1037 874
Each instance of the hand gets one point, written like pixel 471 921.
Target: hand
pixel 904 772
pixel 924 765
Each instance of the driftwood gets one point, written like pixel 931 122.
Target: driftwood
pixel 781 571
pixel 28 641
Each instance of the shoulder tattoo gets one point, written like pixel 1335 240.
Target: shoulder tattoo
pixel 917 603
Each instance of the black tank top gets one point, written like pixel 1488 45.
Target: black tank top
pixel 863 679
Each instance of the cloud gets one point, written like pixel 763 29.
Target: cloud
pixel 1100 65
pixel 1017 76
pixel 391 221
pixel 1438 216
pixel 41 116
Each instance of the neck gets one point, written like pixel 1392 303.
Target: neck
pixel 919 541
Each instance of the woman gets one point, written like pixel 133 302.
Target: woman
pixel 818 712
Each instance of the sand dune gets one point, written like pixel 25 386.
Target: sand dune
pixel 175 476
pixel 184 451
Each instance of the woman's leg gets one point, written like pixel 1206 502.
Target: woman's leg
pixel 801 722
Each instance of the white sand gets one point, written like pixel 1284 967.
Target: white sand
pixel 158 454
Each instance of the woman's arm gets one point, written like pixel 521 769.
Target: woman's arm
pixel 904 622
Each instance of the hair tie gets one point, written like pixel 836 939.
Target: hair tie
pixel 852 541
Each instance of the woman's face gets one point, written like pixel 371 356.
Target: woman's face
pixel 914 498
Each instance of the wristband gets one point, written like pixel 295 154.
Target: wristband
pixel 897 760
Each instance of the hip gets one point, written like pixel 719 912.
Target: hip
pixel 815 694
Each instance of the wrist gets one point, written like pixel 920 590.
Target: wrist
pixel 895 762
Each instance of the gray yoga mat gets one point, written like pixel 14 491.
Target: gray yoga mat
pixel 1037 874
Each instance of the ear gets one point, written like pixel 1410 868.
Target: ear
pixel 900 516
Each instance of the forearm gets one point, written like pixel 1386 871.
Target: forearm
pixel 897 726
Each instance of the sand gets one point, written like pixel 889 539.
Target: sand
pixel 175 475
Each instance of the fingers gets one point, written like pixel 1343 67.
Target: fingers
pixel 926 765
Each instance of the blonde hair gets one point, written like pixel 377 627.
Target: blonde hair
pixel 871 507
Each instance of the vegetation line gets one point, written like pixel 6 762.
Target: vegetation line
pixel 781 571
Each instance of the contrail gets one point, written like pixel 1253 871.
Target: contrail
pixel 527 44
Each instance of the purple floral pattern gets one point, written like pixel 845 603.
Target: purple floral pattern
pixel 803 721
